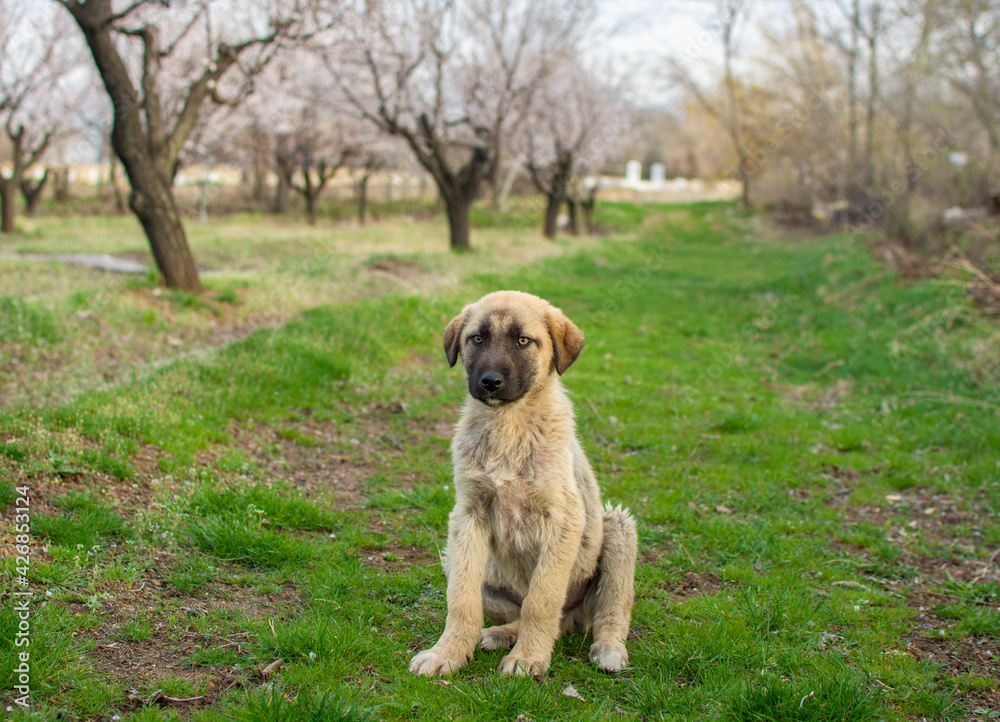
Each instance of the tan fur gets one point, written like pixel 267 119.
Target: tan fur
pixel 528 541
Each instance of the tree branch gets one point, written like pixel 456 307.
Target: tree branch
pixel 115 17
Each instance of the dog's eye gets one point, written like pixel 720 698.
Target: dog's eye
pixel 477 339
pixel 523 341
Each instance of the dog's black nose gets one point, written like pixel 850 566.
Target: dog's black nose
pixel 491 382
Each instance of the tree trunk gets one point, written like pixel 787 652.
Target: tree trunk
pixel 574 228
pixel 589 204
pixel 362 199
pixel 32 193
pixel 60 184
pixel 458 222
pixel 555 185
pixel 744 177
pixel 259 180
pixel 280 202
pixel 310 197
pixel 259 167
pixel 873 78
pixel 152 200
pixel 159 217
pixel 496 190
pixel 588 216
pixel 7 191
pixel 551 215
pixel 285 165
pixel 852 107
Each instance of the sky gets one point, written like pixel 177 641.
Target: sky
pixel 646 32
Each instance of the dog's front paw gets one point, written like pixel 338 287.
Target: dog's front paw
pixel 523 667
pixel 432 663
pixel 609 656
pixel 500 637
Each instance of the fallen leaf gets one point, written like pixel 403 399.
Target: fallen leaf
pixel 893 498
pixel 441 682
pixel 272 667
pixel 723 509
pixel 570 691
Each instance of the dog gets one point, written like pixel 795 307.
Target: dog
pixel 529 543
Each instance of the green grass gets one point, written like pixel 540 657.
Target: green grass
pixel 800 434
pixel 27 321
pixel 247 541
pixel 85 522
pixel 272 705
pixel 7 493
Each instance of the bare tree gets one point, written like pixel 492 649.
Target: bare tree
pixel 37 56
pixel 362 168
pixel 375 152
pixel 731 20
pixel 32 192
pixel 571 119
pixel 970 47
pixel 854 31
pixel 583 195
pixel 311 156
pixel 263 125
pixel 522 41
pixel 450 80
pixel 197 49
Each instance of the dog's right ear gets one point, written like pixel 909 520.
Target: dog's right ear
pixel 453 336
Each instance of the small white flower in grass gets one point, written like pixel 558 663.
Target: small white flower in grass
pixel 612 420
pixel 312 655
pixel 333 536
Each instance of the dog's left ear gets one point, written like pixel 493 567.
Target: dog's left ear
pixel 453 336
pixel 567 339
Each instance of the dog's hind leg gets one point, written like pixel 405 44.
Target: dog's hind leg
pixel 502 606
pixel 500 637
pixel 615 593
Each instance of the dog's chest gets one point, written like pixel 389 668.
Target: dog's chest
pixel 518 520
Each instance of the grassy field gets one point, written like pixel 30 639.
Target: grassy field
pixel 66 328
pixel 810 444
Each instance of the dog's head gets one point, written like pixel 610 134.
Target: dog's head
pixel 510 342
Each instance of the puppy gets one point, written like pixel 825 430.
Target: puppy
pixel 529 544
